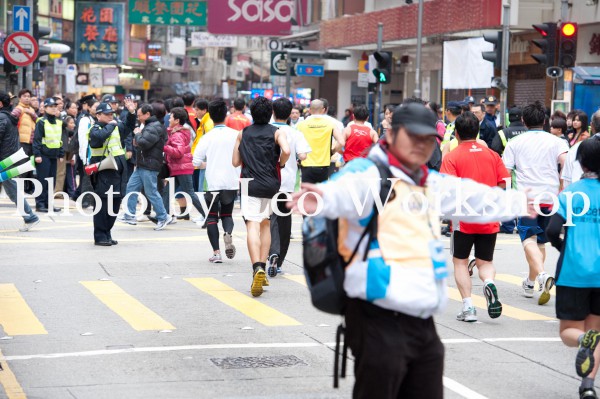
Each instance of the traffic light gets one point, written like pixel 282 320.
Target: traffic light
pixel 228 55
pixel 567 44
pixel 547 44
pixel 495 56
pixel 38 33
pixel 383 70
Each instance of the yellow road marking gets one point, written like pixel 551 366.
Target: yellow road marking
pixel 516 280
pixel 298 278
pixel 8 380
pixel 16 317
pixel 507 310
pixel 131 310
pixel 252 308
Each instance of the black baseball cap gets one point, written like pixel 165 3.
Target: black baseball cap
pixel 416 119
pixel 515 113
pixel 109 98
pixel 104 108
pixel 469 99
pixel 49 102
pixel 455 105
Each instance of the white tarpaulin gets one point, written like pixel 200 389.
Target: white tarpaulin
pixel 464 67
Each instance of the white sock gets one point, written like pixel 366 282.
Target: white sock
pixel 467 303
pixel 530 283
pixel 488 281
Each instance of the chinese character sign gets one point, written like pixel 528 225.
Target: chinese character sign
pixel 99 31
pixel 167 12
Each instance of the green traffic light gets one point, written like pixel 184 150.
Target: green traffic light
pixel 382 77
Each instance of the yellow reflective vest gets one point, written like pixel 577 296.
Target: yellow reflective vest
pixel 52 133
pixel 112 145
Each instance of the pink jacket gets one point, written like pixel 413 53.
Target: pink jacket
pixel 178 152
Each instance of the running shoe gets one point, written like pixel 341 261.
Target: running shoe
pixel 229 247
pixel 125 218
pixel 494 307
pixel 216 258
pixel 258 278
pixel 272 269
pixel 584 362
pixel 527 289
pixel 587 393
pixel 163 223
pixel 546 283
pixel 469 315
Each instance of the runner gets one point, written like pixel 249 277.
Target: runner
pixel 213 154
pixel 261 150
pixel 477 162
pixel 535 156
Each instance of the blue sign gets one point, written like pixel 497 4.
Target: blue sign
pixel 310 70
pixel 99 32
pixel 21 19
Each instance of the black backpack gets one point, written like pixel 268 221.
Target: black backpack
pixel 324 268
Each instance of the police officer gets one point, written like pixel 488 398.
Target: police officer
pixel 47 149
pixel 453 110
pixel 105 139
pixel 515 128
pixel 490 110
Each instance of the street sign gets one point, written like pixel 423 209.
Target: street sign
pixel 20 49
pixel 279 64
pixel 146 85
pixel 310 70
pixel 157 12
pixel 21 19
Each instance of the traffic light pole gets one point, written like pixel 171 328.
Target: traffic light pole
pixel 379 85
pixel 504 64
pixel 28 71
pixel 417 92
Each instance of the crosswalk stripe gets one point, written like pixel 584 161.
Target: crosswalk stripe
pixel 516 280
pixel 9 382
pixel 252 308
pixel 131 310
pixel 16 317
pixel 507 310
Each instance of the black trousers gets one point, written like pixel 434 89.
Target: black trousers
pixel 314 174
pixel 103 222
pixel 28 184
pixel 45 169
pixel 222 208
pixel 396 355
pixel 281 231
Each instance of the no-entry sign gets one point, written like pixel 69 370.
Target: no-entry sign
pixel 20 49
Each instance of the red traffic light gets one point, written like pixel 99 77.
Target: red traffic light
pixel 568 29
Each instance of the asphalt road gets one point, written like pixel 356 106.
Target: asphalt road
pixel 152 318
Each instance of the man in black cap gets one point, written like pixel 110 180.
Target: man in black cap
pixel 47 149
pixel 396 287
pixel 105 139
pixel 469 100
pixel 490 110
pixel 9 144
pixel 516 127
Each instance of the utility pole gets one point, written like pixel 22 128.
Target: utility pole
pixel 504 65
pixel 379 85
pixel 28 71
pixel 288 75
pixel 147 66
pixel 417 92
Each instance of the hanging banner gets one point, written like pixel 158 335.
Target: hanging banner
pixel 100 30
pixel 167 12
pixel 70 79
pixel 475 74
pixel 256 17
pixel 96 78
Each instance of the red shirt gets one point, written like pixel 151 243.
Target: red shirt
pixel 358 142
pixel 237 122
pixel 473 161
pixel 192 116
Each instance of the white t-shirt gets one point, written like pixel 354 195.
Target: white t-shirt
pixel 298 145
pixel 366 123
pixel 216 149
pixel 573 170
pixel 534 157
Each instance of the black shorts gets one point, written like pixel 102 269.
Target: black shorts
pixel 462 244
pixel 314 174
pixel 576 303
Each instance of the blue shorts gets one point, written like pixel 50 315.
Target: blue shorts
pixel 528 227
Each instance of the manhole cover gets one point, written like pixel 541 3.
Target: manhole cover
pixel 257 362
